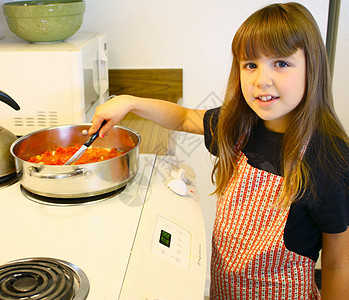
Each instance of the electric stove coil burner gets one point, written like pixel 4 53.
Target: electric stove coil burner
pixel 8 180
pixel 69 201
pixel 42 278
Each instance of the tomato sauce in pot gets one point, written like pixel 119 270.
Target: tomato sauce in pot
pixel 61 155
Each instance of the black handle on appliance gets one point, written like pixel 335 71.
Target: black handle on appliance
pixel 8 100
pixel 92 137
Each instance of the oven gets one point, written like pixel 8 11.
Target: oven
pixel 144 242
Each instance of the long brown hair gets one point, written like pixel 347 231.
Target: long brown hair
pixel 279 30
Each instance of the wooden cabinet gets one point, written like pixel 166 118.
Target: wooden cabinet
pixel 165 84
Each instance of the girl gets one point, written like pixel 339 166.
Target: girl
pixel 281 171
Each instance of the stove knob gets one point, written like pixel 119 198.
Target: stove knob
pixel 177 185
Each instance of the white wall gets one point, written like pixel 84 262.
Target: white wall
pixel 193 35
pixel 341 66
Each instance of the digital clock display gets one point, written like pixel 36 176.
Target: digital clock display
pixel 165 238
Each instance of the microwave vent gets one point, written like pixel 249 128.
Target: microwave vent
pixel 42 119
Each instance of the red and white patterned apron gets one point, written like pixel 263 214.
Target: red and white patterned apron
pixel 249 258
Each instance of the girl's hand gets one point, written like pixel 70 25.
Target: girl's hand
pixel 164 113
pixel 113 111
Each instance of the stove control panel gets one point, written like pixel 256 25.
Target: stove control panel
pixel 172 242
pixel 168 259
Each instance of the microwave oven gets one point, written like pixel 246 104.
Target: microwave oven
pixel 53 83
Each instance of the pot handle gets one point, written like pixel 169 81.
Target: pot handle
pixel 35 172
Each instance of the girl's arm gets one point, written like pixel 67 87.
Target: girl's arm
pixel 335 266
pixel 166 114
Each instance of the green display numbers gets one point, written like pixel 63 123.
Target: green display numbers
pixel 165 238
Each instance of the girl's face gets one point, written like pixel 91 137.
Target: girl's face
pixel 273 87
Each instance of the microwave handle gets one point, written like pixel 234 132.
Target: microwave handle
pixel 103 72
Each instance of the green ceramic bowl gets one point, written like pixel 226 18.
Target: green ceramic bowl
pixel 44 21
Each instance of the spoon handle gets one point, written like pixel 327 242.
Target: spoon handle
pixel 92 137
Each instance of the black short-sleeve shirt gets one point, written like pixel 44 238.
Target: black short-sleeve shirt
pixel 324 210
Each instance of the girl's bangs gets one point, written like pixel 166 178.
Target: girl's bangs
pixel 271 36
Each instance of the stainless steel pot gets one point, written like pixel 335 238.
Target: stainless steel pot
pixel 7 164
pixel 72 181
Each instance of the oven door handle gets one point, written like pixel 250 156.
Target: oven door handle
pixel 35 172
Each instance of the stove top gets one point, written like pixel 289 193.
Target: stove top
pixel 97 238
pixel 146 242
pixel 55 201
pixel 42 278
